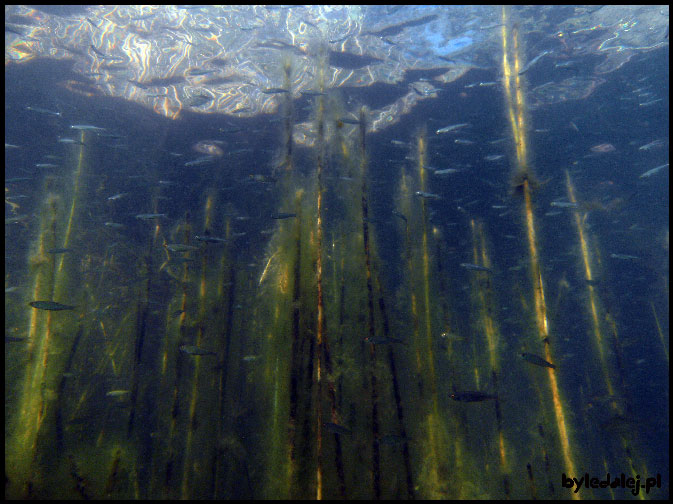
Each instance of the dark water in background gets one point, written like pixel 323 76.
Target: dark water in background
pixel 626 215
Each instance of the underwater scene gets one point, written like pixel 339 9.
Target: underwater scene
pixel 336 252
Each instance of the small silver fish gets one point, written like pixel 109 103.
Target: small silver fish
pixel 117 196
pixel 564 204
pixel 623 256
pixel 452 127
pixel 210 239
pixel 475 267
pixel 399 143
pixel 652 145
pixel 651 172
pixel 200 161
pixel 532 62
pixel 43 111
pixel 194 350
pixel 427 195
pixel 150 216
pixel 86 127
pixel 449 336
pixel 275 91
pixel 117 393
pixel 70 141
